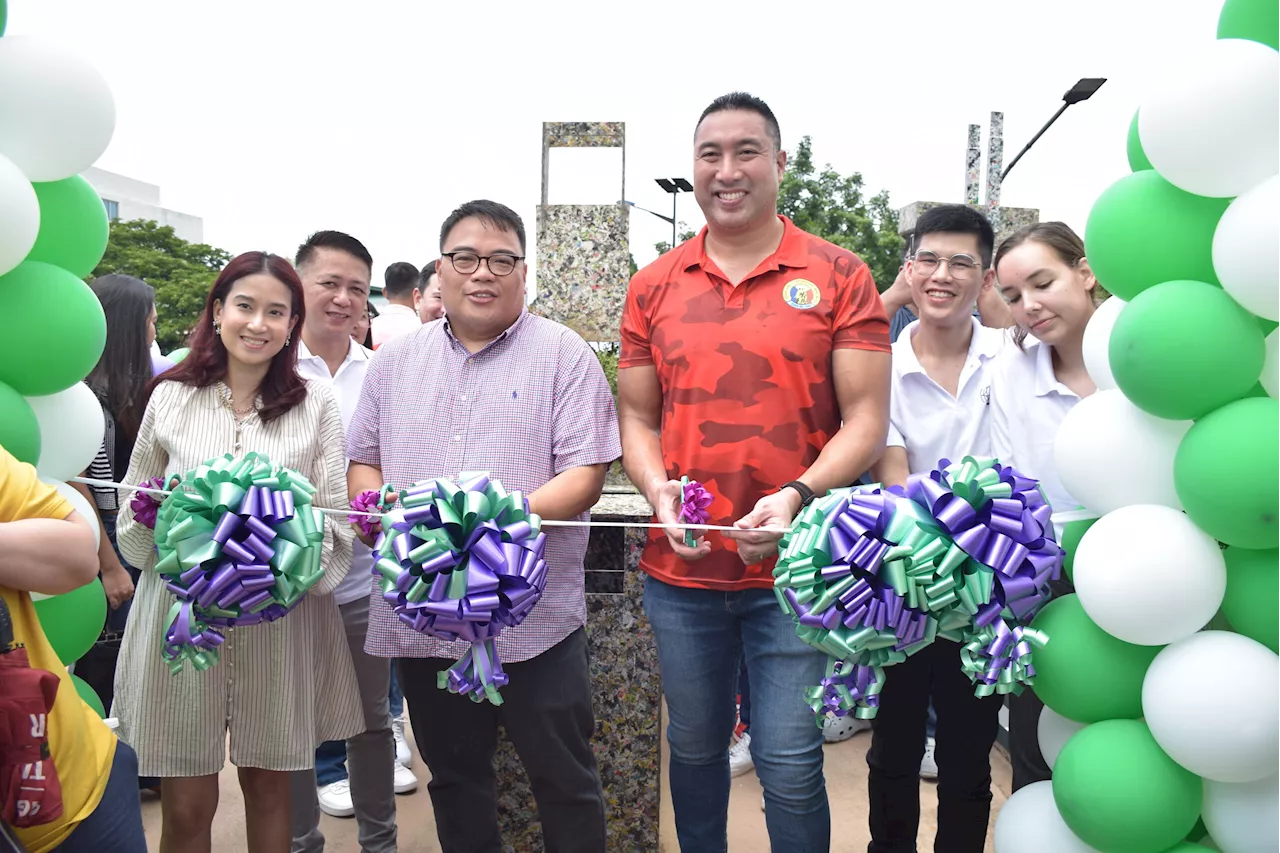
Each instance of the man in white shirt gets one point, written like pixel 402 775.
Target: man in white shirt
pixel 335 269
pixel 939 408
pixel 400 316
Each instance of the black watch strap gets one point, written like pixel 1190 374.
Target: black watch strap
pixel 806 493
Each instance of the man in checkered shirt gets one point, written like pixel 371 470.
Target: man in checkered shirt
pixel 494 388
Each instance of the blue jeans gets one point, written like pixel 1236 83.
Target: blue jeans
pixel 702 635
pixel 331 756
pixel 115 826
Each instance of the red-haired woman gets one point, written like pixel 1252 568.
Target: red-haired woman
pixel 279 688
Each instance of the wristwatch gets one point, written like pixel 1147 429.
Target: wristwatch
pixel 806 493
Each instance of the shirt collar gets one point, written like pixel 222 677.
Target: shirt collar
pixel 792 252
pixel 355 352
pixel 510 330
pixel 1046 382
pixel 982 344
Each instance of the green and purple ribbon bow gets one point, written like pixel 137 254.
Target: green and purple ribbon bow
pixel 694 500
pixel 463 561
pixel 238 543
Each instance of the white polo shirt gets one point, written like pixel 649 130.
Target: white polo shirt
pixel 924 417
pixel 346 385
pixel 1028 404
pixel 392 322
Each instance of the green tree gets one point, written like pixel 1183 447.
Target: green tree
pixel 181 273
pixel 835 208
pixel 685 234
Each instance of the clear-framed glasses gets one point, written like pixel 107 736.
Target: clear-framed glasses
pixel 468 262
pixel 962 266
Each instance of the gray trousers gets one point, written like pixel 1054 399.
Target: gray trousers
pixel 371 755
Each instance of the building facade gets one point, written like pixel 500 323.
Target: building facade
pixel 127 198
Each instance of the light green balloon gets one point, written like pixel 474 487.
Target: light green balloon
pixel 73 226
pixel 1138 161
pixel 1181 349
pixel 52 329
pixel 1072 533
pixel 89 695
pixel 1225 474
pixel 178 355
pixel 73 621
pixel 1255 20
pixel 19 429
pixel 1253 590
pixel 1119 793
pixel 1143 231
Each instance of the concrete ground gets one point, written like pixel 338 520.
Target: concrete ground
pixel 846 772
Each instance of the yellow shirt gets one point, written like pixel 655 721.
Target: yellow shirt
pixel 80 743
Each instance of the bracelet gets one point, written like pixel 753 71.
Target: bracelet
pixel 806 493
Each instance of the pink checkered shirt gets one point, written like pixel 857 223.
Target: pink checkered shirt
pixel 530 405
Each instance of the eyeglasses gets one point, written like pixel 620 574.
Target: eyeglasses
pixel 468 262
pixel 962 266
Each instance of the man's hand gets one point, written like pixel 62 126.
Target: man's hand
pixel 117 584
pixel 775 510
pixel 898 294
pixel 665 498
pixel 392 497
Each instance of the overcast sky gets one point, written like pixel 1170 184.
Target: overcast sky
pixel 274 118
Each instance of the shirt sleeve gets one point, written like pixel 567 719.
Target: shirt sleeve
pixel 362 434
pixel 895 438
pixel 23 496
pixel 136 541
pixel 331 491
pixel 860 321
pixel 636 351
pixel 584 421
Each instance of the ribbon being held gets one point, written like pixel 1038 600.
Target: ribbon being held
pixel 238 543
pixel 463 561
pixel 145 506
pixel 694 500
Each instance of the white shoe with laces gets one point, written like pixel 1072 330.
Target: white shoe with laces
pixel 740 755
pixel 405 780
pixel 403 754
pixel 928 767
pixel 335 799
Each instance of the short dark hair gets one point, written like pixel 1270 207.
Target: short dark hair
pixel 428 270
pixel 498 215
pixel 744 101
pixel 958 219
pixel 399 280
pixel 332 240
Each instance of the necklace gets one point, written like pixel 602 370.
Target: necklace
pixel 224 394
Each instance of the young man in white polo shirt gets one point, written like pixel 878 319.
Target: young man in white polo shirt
pixel 335 269
pixel 400 315
pixel 939 408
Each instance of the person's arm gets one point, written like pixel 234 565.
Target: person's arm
pixel 993 311
pixel 568 494
pixel 47 555
pixel 115 578
pixel 898 294
pixel 137 541
pixel 894 467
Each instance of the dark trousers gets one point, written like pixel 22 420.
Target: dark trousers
pixel 966 731
pixel 547 715
pixel 1024 742
pixel 115 826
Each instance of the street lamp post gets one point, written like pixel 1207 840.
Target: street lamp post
pixel 1081 91
pixel 675 186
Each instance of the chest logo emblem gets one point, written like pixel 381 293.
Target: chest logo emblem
pixel 801 294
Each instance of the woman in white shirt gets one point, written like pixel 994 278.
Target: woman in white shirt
pixel 1052 293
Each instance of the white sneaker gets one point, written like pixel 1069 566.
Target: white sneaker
pixel 406 782
pixel 335 799
pixel 740 755
pixel 403 753
pixel 836 729
pixel 928 767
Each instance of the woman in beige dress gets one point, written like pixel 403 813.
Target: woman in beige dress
pixel 279 688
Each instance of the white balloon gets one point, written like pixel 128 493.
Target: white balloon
pixel 1226 728
pixel 79 504
pixel 1270 377
pixel 1052 732
pixel 56 111
pixel 1029 821
pixel 71 429
pixel 1242 817
pixel 1147 575
pixel 19 215
pixel 1246 269
pixel 1111 454
pixel 1213 129
pixel 1097 342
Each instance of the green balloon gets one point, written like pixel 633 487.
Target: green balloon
pixel 1084 673
pixel 1198 832
pixel 1225 474
pixel 1138 161
pixel 1255 20
pixel 1253 588
pixel 178 355
pixel 1071 535
pixel 52 329
pixel 73 226
pixel 1143 230
pixel 19 429
pixel 72 621
pixel 1119 793
pixel 89 695
pixel 1181 349
pixel 1187 847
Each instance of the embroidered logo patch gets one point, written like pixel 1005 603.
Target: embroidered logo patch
pixel 801 293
